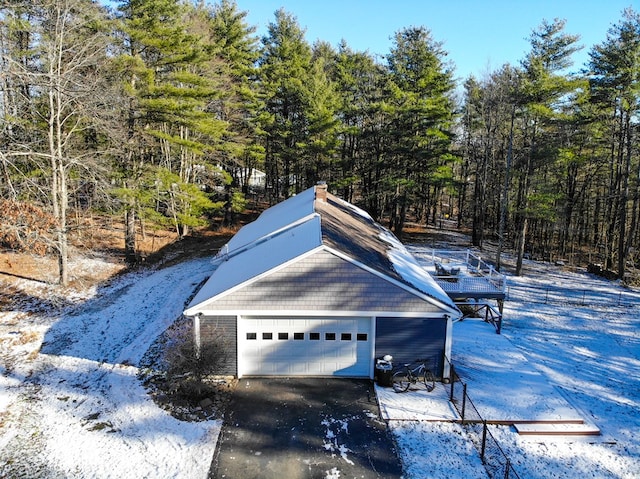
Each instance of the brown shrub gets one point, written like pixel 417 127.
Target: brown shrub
pixel 187 368
pixel 25 227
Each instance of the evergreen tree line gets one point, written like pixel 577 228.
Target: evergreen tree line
pixel 158 111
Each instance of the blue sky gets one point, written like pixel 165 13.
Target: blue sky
pixel 480 35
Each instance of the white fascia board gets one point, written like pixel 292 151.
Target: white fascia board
pixel 447 309
pixel 271 313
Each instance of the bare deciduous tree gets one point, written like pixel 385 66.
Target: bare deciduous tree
pixel 64 84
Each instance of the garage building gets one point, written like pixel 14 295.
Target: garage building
pixel 315 287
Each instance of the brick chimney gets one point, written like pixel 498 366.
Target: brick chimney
pixel 321 191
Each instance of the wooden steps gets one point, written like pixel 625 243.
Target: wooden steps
pixel 557 429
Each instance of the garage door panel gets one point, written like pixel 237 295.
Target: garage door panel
pixel 320 347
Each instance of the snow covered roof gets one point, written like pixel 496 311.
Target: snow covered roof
pixel 260 258
pixel 279 216
pixel 304 223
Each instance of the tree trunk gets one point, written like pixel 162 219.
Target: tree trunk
pixel 504 206
pixel 523 203
pixel 130 235
pixel 624 195
pixel 59 193
pixel 522 239
pixel 63 237
pixel 478 213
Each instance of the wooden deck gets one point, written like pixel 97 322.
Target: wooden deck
pixel 462 274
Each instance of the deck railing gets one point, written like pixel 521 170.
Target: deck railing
pixel 470 284
pixel 476 276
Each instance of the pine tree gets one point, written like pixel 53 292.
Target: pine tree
pixel 321 102
pixel 545 86
pixel 284 67
pixel 615 86
pixel 422 119
pixel 360 83
pixel 169 118
pixel 233 51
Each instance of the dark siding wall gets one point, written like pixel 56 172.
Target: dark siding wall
pixel 221 331
pixel 408 339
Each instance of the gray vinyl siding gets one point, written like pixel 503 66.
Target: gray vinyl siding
pixel 221 332
pixel 322 281
pixel 408 339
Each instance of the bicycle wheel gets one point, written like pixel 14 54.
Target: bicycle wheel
pixel 429 380
pixel 400 381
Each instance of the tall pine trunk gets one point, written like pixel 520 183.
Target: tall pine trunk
pixel 130 235
pixel 624 196
pixel 504 203
pixel 522 239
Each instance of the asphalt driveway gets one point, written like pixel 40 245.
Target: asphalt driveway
pixel 311 428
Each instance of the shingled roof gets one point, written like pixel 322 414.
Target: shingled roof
pixel 309 221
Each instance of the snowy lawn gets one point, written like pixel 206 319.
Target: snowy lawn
pixel 493 367
pixel 78 409
pixel 563 358
pixel 592 355
pixel 438 450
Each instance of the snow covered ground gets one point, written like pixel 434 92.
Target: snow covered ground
pixel 591 354
pixel 71 404
pixel 77 409
pixel 586 357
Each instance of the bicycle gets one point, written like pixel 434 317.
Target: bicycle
pixel 405 377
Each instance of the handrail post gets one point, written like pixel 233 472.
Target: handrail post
pixel 453 381
pixel 484 440
pixel 464 400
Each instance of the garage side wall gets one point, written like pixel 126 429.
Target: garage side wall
pixel 221 332
pixel 408 339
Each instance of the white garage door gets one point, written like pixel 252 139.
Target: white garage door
pixel 305 347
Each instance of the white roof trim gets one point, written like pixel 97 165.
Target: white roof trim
pixel 225 254
pixel 303 313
